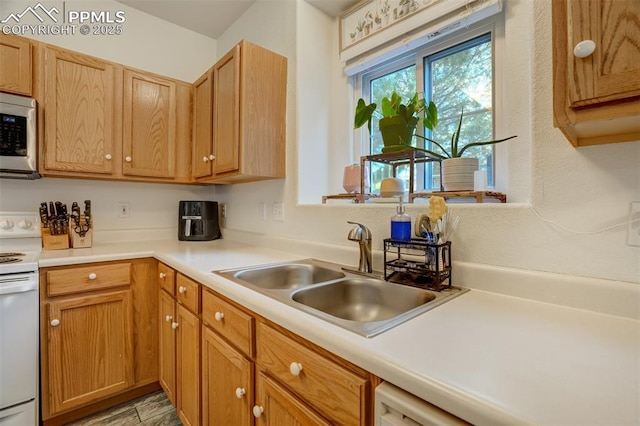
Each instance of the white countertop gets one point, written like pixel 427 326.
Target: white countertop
pixel 485 357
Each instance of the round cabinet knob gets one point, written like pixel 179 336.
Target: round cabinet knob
pixel 295 368
pixel 174 325
pixel 205 158
pixel 257 411
pixel 584 49
pixel 162 275
pixel 6 224
pixel 240 392
pixel 25 224
pixel 168 318
pixel 108 156
pixel 92 276
pixel 218 316
pixel 182 290
pixel 127 159
pixel 55 323
pixel 212 157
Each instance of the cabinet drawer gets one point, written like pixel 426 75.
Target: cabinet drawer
pixel 335 392
pixel 167 279
pixel 230 322
pixel 88 278
pixel 188 293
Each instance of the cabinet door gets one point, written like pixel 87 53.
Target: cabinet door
pixel 145 320
pixel 203 126
pixel 227 383
pixel 277 407
pixel 79 113
pixel 15 65
pixel 226 113
pixel 339 394
pixel 90 348
pixel 168 345
pixel 612 72
pixel 188 366
pixel 149 125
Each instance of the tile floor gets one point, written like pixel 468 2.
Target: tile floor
pixel 150 410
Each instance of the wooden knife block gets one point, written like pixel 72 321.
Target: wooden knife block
pixel 54 242
pixel 81 242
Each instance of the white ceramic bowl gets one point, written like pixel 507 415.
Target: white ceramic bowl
pixel 391 187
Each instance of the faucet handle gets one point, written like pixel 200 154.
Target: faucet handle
pixel 360 233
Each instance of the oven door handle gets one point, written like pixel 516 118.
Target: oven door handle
pixel 18 287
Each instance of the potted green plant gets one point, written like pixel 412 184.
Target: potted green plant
pixel 398 120
pixel 457 171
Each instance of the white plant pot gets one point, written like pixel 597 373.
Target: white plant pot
pixel 457 173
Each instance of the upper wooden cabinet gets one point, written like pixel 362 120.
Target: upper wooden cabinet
pixel 149 123
pixel 203 126
pixel 226 113
pixel 15 65
pixel 105 121
pixel 597 97
pixel 80 101
pixel 249 117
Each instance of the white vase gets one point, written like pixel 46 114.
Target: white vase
pixel 457 173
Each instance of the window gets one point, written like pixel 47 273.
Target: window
pixel 458 75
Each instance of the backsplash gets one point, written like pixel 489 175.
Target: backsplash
pixel 153 208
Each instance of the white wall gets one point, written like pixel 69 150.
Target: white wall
pixel 272 25
pixel 586 189
pixel 153 207
pixel 149 44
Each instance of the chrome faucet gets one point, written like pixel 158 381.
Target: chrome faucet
pixel 362 235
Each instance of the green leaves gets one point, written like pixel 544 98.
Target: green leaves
pixel 410 114
pixel 456 137
pixel 483 143
pixel 430 120
pixel 363 115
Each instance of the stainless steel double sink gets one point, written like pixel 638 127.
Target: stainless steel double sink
pixel 362 304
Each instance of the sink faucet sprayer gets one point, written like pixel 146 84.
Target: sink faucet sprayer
pixel 362 235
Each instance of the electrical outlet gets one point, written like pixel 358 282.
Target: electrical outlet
pixel 633 238
pixel 262 210
pixel 278 212
pixel 123 209
pixel 223 210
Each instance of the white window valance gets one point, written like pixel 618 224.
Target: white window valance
pixel 373 31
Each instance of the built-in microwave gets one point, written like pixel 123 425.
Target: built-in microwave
pixel 18 137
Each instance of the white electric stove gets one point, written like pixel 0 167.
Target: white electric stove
pixel 20 245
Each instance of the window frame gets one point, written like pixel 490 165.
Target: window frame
pixel 493 25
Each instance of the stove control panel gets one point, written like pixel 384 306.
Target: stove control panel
pixel 19 225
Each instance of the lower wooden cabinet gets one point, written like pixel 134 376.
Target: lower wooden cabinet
pixel 338 393
pixel 227 383
pixel 167 340
pixel 98 333
pixel 90 348
pixel 221 364
pixel 179 342
pixel 188 366
pixel 278 407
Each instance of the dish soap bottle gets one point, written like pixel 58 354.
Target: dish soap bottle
pixel 401 224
